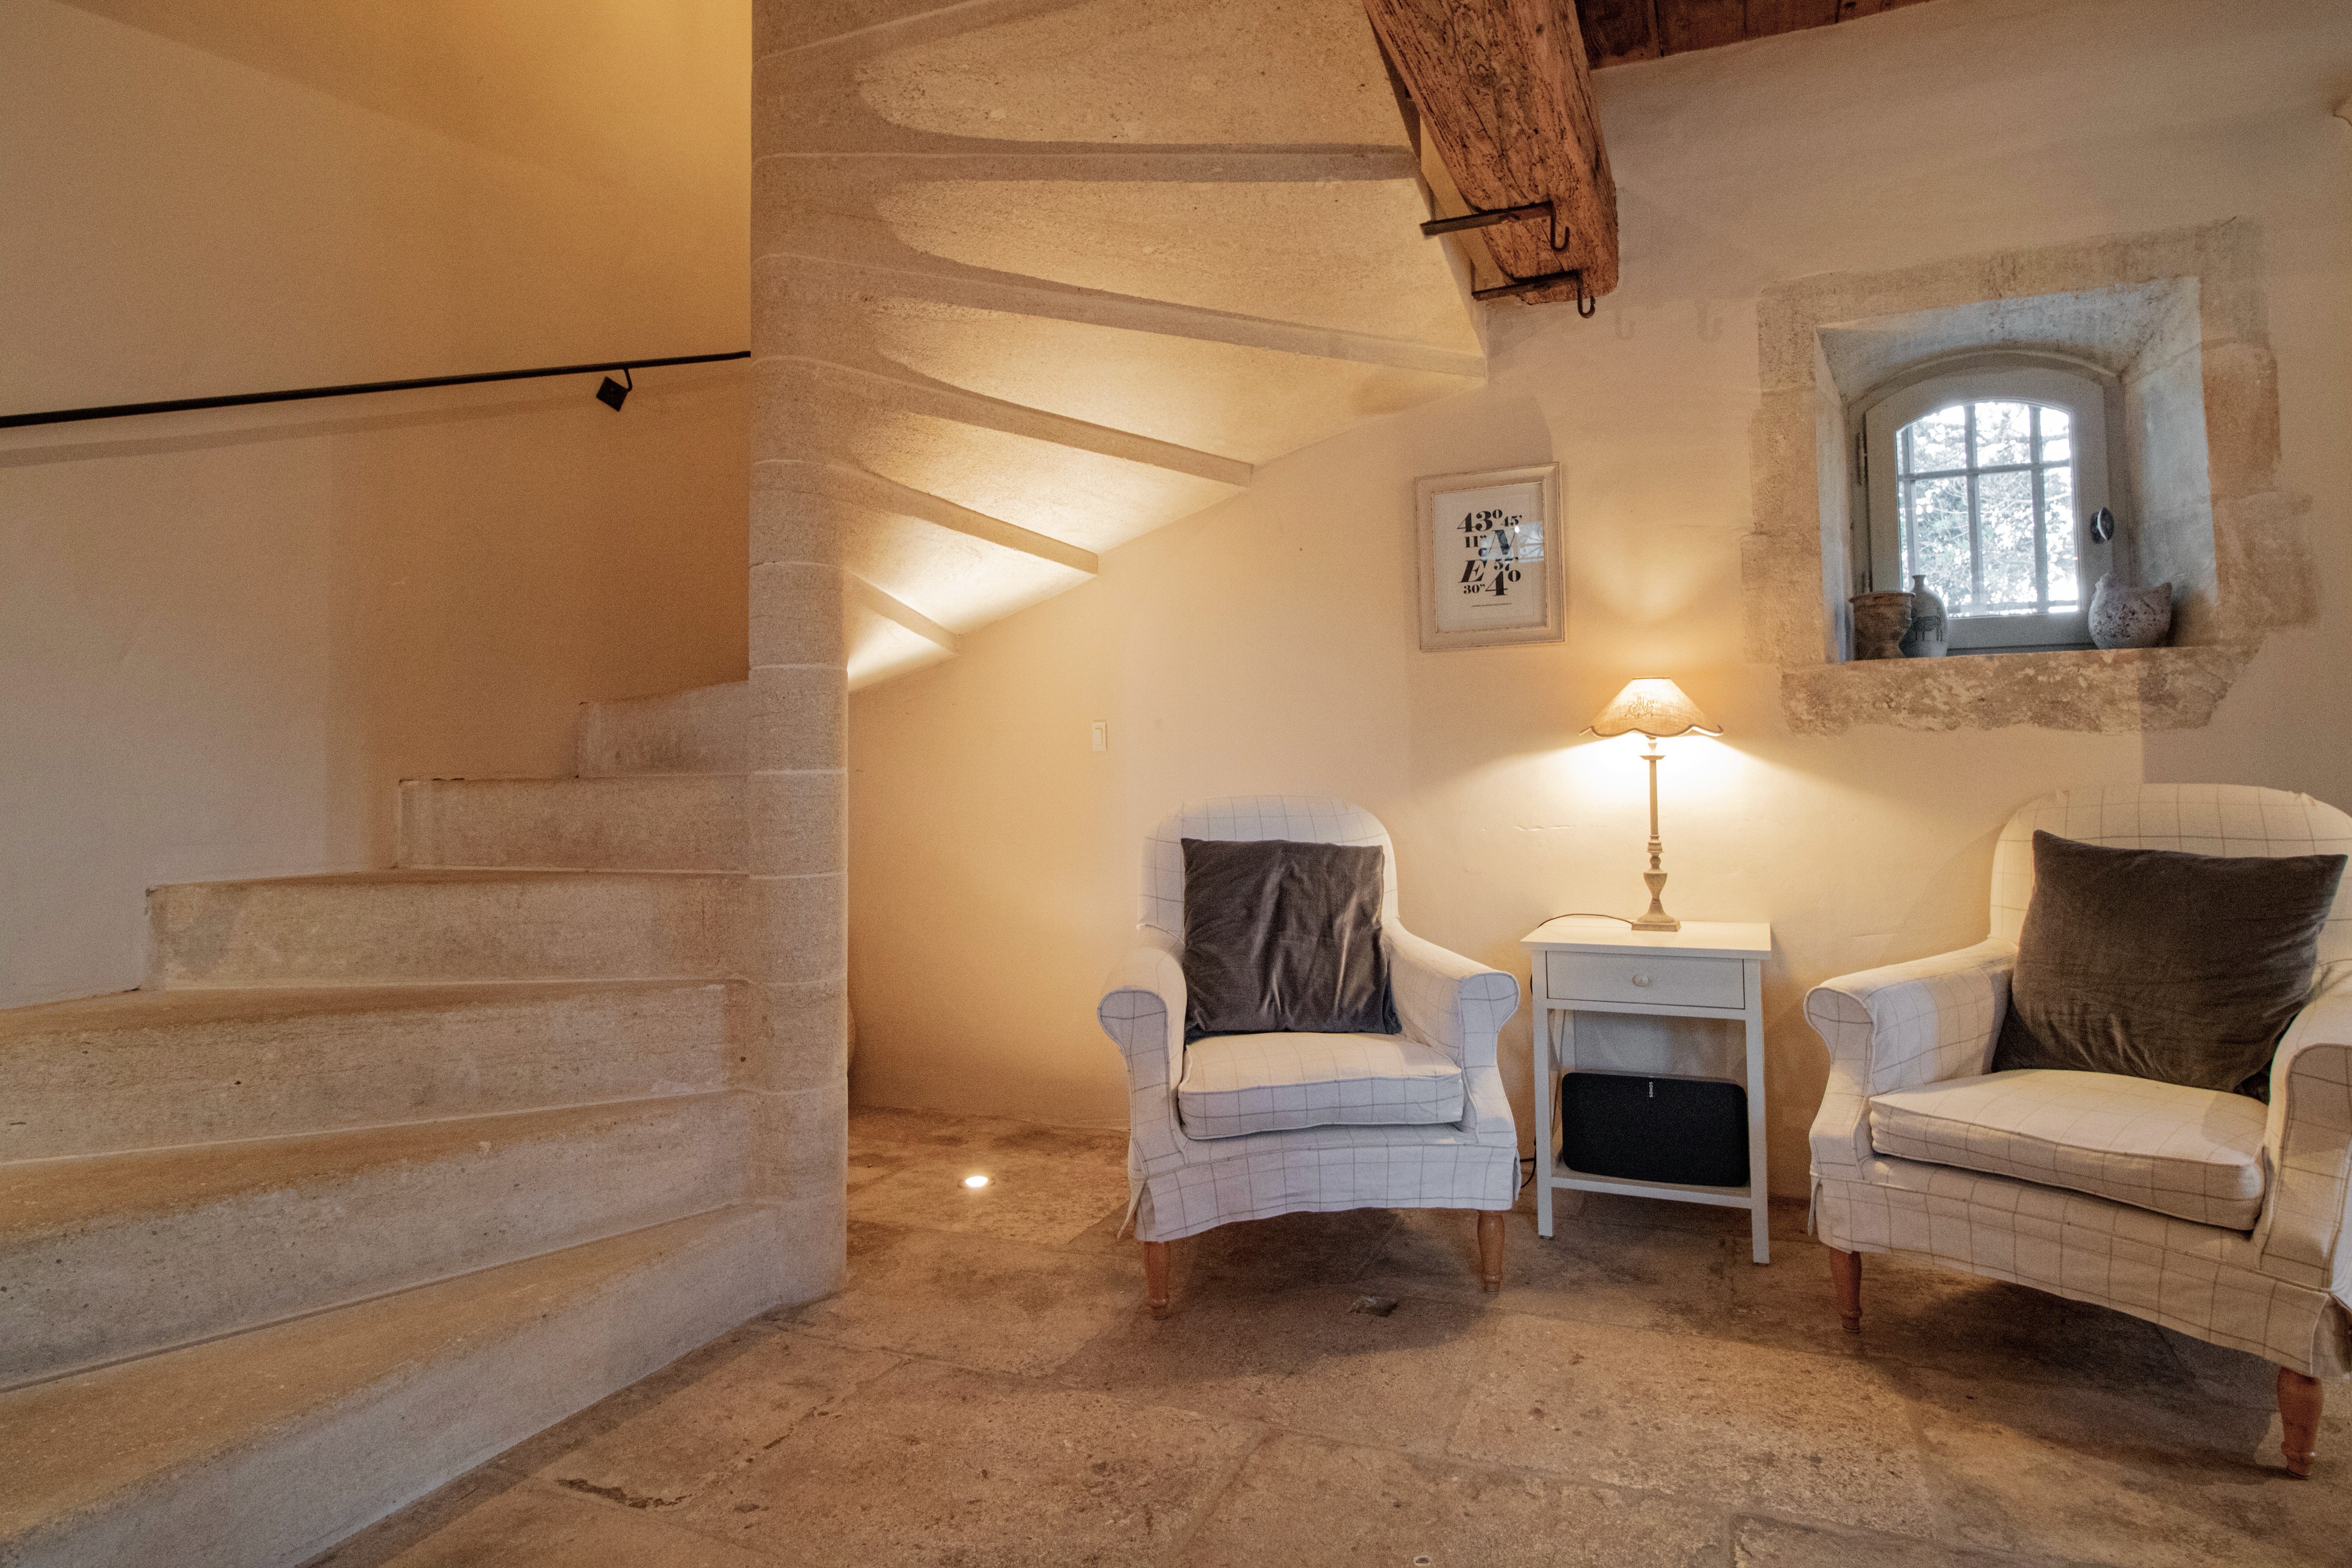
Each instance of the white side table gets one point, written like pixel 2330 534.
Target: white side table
pixel 1706 969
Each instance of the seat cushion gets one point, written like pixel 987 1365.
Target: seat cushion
pixel 2193 1154
pixel 1235 1084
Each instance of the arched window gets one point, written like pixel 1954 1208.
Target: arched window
pixel 1983 479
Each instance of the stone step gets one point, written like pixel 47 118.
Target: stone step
pixel 403 927
pixel 147 1069
pixel 111 1255
pixel 263 1448
pixel 696 731
pixel 675 822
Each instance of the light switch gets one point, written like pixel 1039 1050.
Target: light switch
pixel 1102 735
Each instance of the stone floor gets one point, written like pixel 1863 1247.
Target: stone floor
pixel 988 1391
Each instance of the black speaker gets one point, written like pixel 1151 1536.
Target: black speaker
pixel 1654 1128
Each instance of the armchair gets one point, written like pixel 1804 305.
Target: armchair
pixel 1361 1093
pixel 2200 1211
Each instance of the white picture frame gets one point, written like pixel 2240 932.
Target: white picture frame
pixel 1491 558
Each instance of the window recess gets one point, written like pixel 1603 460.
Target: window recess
pixel 1983 479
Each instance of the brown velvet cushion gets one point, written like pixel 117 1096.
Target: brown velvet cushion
pixel 1283 936
pixel 2153 964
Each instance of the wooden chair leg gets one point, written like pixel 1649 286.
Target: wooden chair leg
pixel 2299 1399
pixel 1155 1278
pixel 1845 1274
pixel 1490 1249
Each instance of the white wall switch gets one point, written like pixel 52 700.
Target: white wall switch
pixel 1102 735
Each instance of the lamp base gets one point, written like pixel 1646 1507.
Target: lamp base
pixel 1656 918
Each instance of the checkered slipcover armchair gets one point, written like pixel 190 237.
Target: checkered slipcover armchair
pixel 1183 1184
pixel 2281 1289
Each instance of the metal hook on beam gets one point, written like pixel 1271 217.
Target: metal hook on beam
pixel 1585 303
pixel 1543 209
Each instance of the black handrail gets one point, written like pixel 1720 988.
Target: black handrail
pixel 234 400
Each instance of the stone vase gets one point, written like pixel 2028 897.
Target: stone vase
pixel 1879 622
pixel 1927 638
pixel 2125 616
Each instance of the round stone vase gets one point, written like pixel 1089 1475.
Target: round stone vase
pixel 2125 616
pixel 1879 622
pixel 1927 638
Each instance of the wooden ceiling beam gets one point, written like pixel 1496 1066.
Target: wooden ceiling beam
pixel 1505 95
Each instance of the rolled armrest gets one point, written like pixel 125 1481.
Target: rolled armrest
pixel 1446 1001
pixel 2309 1142
pixel 1142 1010
pixel 1898 1027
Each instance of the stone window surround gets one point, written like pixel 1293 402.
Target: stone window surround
pixel 2263 575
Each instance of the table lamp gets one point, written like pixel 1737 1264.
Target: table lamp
pixel 1657 709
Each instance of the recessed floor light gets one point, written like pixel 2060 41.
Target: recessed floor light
pixel 975 1182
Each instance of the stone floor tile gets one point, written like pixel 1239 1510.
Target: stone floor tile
pixel 1305 1502
pixel 1300 1359
pixel 1674 1281
pixel 1263 1256
pixel 2114 1476
pixel 1777 1543
pixel 1000 1306
pixel 1046 1184
pixel 492 1520
pixel 935 1465
pixel 2226 1376
pixel 1917 1312
pixel 1748 1425
pixel 660 1441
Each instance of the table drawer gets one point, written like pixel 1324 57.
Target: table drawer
pixel 1646 977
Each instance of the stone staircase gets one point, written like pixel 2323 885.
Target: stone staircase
pixel 1033 277
pixel 386 1171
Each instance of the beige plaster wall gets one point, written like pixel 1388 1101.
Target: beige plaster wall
pixel 1269 645
pixel 224 635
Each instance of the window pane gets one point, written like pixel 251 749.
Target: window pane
pixel 1937 511
pixel 2057 435
pixel 1937 442
pixel 2058 526
pixel 2005 542
pixel 2004 433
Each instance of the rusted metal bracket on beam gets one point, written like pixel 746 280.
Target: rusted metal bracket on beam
pixel 1585 303
pixel 1542 209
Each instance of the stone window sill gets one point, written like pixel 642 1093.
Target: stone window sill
pixel 2116 692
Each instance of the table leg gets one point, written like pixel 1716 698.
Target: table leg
pixel 1759 1196
pixel 1542 1054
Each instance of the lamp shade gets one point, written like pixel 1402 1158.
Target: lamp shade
pixel 1656 707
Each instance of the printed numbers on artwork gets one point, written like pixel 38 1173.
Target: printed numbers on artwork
pixel 1490 538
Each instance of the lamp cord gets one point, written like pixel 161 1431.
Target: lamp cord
pixel 1586 914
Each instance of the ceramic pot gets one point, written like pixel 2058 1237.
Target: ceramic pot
pixel 1927 638
pixel 1879 622
pixel 2124 616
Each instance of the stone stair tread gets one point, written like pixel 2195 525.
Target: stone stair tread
pixel 47 1196
pixel 357 928
pixel 267 1446
pixel 416 876
pixel 654 822
pixel 151 1069
pixel 142 1010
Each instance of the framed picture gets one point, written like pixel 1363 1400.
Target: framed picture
pixel 1493 568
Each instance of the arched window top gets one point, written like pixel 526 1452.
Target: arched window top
pixel 1981 480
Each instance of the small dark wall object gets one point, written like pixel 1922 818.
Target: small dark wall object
pixel 613 393
pixel 1654 1128
pixel 2103 526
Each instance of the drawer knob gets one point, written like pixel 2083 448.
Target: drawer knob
pixel 1641 980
